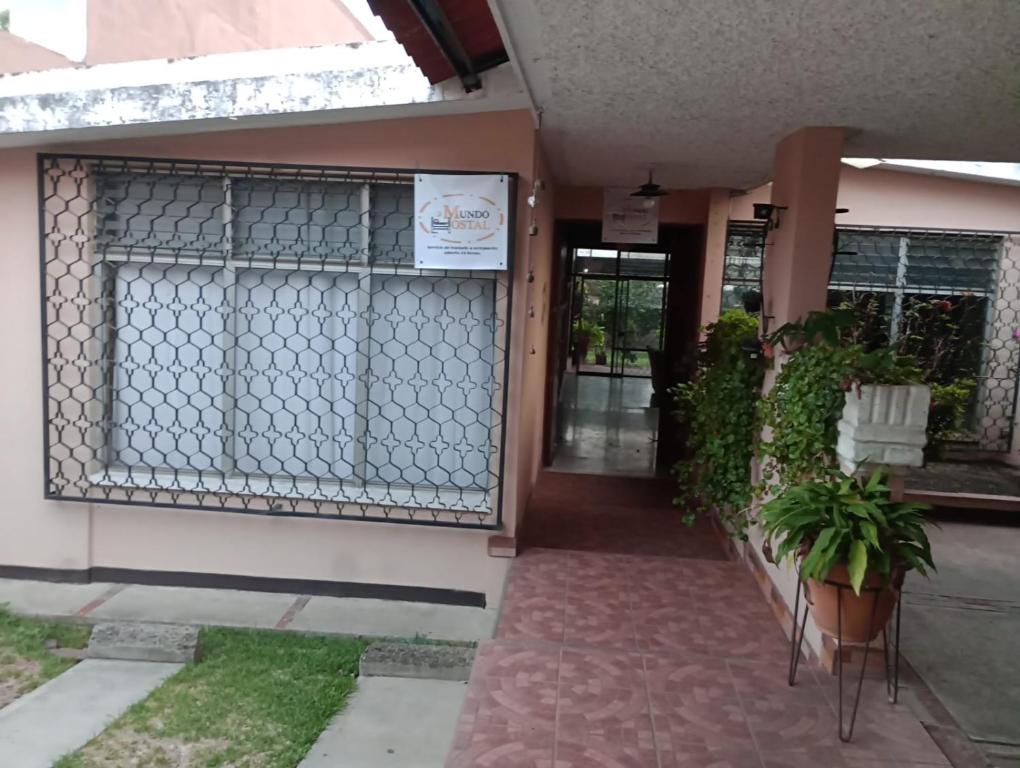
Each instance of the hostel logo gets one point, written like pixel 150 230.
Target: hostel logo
pixel 461 221
pixel 461 218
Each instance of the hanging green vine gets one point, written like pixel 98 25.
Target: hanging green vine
pixel 800 414
pixel 717 408
pixel 801 411
pixel 793 428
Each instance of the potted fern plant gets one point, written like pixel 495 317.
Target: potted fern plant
pixel 848 531
pixel 586 335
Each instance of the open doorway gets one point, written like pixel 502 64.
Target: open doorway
pixel 620 335
pixel 609 404
pixel 618 311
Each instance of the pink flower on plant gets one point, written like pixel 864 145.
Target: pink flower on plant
pixel 1016 333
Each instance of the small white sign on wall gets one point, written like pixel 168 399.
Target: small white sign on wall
pixel 462 221
pixel 629 219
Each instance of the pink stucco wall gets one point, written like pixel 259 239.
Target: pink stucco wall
pixel 127 30
pixel 716 227
pixel 882 198
pixel 684 206
pixel 538 262
pixel 35 532
pixel 18 55
pixel 805 184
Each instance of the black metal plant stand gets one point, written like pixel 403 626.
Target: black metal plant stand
pixel 892 668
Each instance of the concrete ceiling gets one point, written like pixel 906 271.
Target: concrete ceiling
pixel 703 89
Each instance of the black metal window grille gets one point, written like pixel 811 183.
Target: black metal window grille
pixel 256 338
pixel 745 244
pixel 957 292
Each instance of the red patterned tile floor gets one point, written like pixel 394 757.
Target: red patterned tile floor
pixel 605 660
pixel 613 515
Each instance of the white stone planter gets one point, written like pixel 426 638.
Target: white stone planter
pixel 883 424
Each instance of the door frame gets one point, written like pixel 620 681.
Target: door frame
pixel 685 245
pixel 622 285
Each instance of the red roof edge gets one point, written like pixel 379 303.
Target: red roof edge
pixel 471 21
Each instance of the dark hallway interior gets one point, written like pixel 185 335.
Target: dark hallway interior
pixel 623 330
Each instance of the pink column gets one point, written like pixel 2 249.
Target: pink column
pixel 715 254
pixel 805 180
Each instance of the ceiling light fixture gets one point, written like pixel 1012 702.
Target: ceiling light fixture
pixel 649 189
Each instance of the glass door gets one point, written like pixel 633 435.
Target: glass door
pixel 641 303
pixel 593 329
pixel 618 308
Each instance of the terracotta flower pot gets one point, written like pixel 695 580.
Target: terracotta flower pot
pixel 860 625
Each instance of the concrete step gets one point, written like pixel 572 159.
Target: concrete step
pixel 138 641
pixel 68 711
pixel 418 660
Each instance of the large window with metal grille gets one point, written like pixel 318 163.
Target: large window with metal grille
pixel 950 298
pixel 257 338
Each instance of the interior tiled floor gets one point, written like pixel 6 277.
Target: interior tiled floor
pixel 606 426
pixel 625 660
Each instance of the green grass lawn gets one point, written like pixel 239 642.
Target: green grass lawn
pixel 25 661
pixel 258 699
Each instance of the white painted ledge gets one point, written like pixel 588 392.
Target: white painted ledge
pixel 287 86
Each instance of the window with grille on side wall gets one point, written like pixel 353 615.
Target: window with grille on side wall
pixel 258 339
pixel 949 298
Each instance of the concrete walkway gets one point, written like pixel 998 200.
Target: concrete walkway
pixel 233 608
pixel 397 723
pixel 68 711
pixel 962 633
pixel 391 722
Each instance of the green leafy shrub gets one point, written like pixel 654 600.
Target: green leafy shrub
pixel 841 519
pixel 950 404
pixel 800 414
pixel 945 335
pixel 717 407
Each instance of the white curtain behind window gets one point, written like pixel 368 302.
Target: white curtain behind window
pixel 261 371
pixel 295 358
pixel 431 381
pixel 168 368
